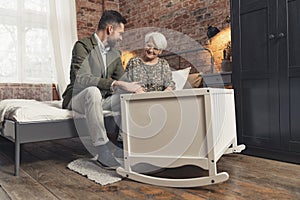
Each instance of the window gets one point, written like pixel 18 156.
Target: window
pixel 25 50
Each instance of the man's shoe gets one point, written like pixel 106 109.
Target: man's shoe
pixel 106 159
pixel 119 153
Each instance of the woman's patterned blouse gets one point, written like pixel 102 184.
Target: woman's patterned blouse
pixel 152 77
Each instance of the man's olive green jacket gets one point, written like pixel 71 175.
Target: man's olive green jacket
pixel 87 69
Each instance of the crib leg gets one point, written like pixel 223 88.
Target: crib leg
pixel 17 150
pixel 235 148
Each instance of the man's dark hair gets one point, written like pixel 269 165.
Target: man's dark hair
pixel 110 17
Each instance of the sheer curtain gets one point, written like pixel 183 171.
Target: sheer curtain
pixel 63 31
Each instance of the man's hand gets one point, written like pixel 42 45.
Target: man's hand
pixel 128 86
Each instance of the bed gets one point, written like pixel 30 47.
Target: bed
pixel 24 121
pixel 28 113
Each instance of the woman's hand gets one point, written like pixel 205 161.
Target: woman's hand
pixel 168 89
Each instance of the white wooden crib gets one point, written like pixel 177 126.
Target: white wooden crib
pixel 172 129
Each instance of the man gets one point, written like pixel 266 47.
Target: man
pixel 95 69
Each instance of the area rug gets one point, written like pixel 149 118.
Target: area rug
pixel 90 168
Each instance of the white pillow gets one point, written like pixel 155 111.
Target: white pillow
pixel 180 77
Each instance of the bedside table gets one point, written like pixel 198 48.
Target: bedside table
pixel 219 80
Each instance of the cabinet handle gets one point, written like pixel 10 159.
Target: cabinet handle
pixel 281 35
pixel 271 36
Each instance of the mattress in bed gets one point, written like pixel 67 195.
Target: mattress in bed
pixel 23 110
pixel 32 111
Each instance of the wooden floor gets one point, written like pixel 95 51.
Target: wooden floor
pixel 44 175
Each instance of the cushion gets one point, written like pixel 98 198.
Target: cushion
pixel 180 77
pixel 194 81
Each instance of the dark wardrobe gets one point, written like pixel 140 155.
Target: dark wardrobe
pixel 266 76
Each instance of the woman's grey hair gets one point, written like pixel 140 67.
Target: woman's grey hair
pixel 158 38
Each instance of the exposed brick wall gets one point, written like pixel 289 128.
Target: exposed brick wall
pixel 187 16
pixel 38 91
pixel 89 13
pixel 190 17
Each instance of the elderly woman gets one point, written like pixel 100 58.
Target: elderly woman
pixel 150 71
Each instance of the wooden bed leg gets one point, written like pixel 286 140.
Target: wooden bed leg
pixel 17 149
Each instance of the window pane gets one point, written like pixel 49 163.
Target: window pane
pixel 36 5
pixel 38 66
pixel 8 53
pixel 8 4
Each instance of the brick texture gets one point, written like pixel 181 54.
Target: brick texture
pixel 190 17
pixel 89 13
pixel 39 91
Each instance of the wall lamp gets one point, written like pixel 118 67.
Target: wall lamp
pixel 212 31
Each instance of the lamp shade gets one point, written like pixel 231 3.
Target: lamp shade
pixel 212 31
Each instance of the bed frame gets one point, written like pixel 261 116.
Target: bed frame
pixel 173 129
pixel 37 131
pixel 26 132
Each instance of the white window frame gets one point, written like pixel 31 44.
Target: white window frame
pixel 23 18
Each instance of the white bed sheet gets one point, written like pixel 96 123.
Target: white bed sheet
pixel 24 110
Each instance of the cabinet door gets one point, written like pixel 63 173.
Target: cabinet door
pixel 289 66
pixel 255 72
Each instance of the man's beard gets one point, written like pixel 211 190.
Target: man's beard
pixel 111 43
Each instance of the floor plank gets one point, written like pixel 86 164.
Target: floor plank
pixel 44 175
pixel 3 194
pixel 17 188
pixel 51 171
